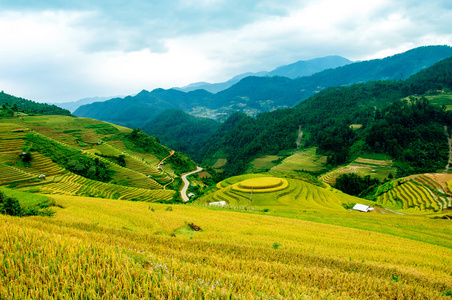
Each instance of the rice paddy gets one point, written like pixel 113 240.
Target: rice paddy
pixel 414 194
pixel 139 180
pixel 376 168
pixel 100 249
pixel 260 191
pixel 280 236
pixel 306 160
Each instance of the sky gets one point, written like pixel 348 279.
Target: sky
pixel 65 50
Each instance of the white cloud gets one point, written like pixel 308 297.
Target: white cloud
pixel 65 53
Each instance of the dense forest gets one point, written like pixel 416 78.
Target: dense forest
pixel 180 131
pixel 11 104
pixel 326 119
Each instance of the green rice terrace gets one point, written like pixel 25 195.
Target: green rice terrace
pixel 376 168
pixel 82 157
pixel 283 190
pixel 415 194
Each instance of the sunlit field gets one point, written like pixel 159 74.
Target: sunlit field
pixel 99 248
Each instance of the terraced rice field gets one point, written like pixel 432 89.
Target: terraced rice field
pixel 129 176
pixel 301 160
pixel 10 174
pixel 262 164
pixel 108 249
pixel 132 183
pixel 436 185
pixel 75 185
pixel 414 194
pixel 362 167
pixel 294 193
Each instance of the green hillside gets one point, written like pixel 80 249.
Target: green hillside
pixel 290 191
pixel 181 131
pixel 403 129
pixel 11 105
pixel 85 157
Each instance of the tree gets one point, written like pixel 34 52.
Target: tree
pixel 10 206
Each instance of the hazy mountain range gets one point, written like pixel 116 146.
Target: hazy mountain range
pixel 72 106
pixel 297 69
pixel 253 95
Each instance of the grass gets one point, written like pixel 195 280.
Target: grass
pixel 263 164
pixel 306 160
pixel 441 99
pixel 27 200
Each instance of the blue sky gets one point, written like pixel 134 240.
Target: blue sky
pixel 57 51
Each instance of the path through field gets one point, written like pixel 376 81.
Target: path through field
pixel 161 162
pixel 183 192
pixel 299 137
pixel 449 141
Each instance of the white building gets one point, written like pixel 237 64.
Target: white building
pixel 362 207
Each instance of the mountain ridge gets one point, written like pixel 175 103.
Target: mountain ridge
pixel 253 95
pixel 293 70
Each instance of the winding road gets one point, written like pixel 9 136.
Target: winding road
pixel 183 192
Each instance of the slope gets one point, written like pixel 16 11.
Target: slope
pixel 181 131
pixel 72 156
pixel 290 191
pixel 326 118
pixel 91 247
pixel 13 105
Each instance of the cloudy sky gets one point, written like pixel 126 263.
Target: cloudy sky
pixel 58 51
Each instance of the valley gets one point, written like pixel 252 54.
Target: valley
pixel 258 206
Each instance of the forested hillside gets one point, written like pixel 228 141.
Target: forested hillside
pixel 11 104
pixel 326 118
pixel 180 131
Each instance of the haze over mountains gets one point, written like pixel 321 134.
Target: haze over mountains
pixel 253 95
pixel 298 69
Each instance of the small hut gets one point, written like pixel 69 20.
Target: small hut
pixel 362 207
pixel 42 176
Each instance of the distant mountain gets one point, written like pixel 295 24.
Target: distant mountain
pixel 306 68
pixel 72 106
pixel 297 69
pixel 253 95
pixel 138 110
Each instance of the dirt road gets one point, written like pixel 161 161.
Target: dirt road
pixel 183 192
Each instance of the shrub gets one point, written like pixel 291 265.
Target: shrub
pixel 10 206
